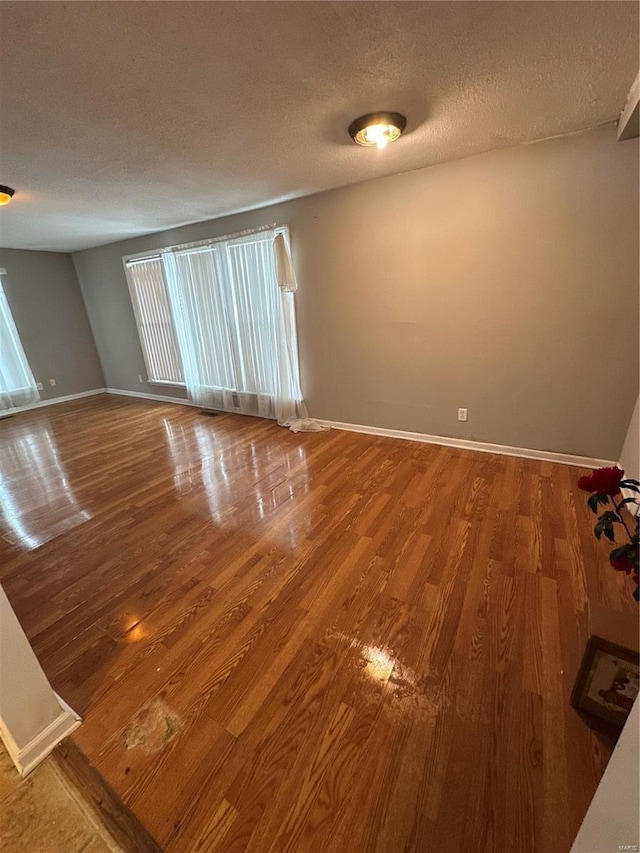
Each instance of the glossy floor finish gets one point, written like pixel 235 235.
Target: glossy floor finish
pixel 321 641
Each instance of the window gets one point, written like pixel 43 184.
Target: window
pixel 227 316
pixel 17 385
pixel 219 316
pixel 153 316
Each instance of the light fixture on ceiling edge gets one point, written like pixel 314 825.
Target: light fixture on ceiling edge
pixel 6 194
pixel 377 128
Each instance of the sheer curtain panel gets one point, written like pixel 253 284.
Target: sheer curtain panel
pixel 232 303
pixel 17 384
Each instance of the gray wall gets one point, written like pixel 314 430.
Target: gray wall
pixel 43 292
pixel 505 282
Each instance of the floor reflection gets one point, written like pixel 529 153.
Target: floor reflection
pixel 243 483
pixel 37 502
pixel 383 670
pixel 378 663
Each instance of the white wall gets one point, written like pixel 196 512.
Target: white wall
pixel 32 718
pixel 630 455
pixel 612 819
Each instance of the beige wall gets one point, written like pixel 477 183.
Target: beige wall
pixel 506 283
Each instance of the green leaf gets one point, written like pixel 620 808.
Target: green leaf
pixel 592 503
pixel 605 525
pixel 611 516
pixel 631 485
pixel 628 501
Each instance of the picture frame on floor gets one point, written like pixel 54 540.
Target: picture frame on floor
pixel 608 681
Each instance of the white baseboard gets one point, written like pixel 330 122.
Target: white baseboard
pixel 157 397
pixel 65 399
pixel 29 756
pixel 464 444
pixel 181 401
pixel 480 446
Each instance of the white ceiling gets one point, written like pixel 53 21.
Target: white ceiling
pixel 119 119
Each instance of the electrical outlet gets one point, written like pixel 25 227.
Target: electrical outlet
pixel 140 379
pixel 462 414
pixel 53 383
pixel 39 386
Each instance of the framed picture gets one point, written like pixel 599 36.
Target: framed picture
pixel 607 682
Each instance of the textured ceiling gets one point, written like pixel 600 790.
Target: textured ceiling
pixel 119 119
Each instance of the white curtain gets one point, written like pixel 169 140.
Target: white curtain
pixel 17 384
pixel 233 308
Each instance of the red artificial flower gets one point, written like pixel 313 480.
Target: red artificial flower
pixel 603 480
pixel 622 564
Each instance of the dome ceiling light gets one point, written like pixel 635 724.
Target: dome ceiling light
pixel 6 194
pixel 377 129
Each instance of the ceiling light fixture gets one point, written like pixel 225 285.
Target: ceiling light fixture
pixel 6 194
pixel 377 129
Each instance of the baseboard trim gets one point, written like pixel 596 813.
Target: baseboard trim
pixel 443 440
pixel 29 756
pixel 479 446
pixel 159 398
pixel 65 399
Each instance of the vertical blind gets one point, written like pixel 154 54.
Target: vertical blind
pixel 153 315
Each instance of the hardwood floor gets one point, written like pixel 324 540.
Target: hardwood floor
pixel 322 641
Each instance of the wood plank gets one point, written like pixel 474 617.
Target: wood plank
pixel 108 809
pixel 319 642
